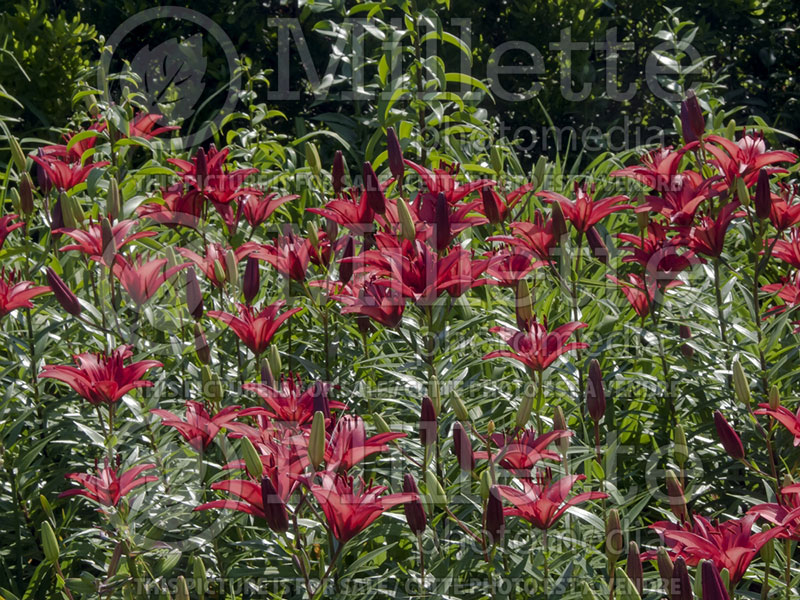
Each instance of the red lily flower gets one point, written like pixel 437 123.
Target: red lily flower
pixel 90 242
pixel 289 255
pixel 291 404
pixel 257 208
pixel 17 294
pixel 656 253
pixel 543 501
pixel 538 237
pixel 657 168
pixel 64 175
pixel 144 126
pixel 349 509
pixel 508 267
pixel 101 378
pixel 75 152
pixel 6 227
pixel 255 330
pixel 745 158
pixel 198 428
pixel 708 238
pixel 537 348
pixel 495 208
pixel 108 488
pixel 788 291
pixel 681 197
pixel 640 296
pixel 175 207
pixel 215 259
pixel 785 417
pixel 142 279
pixel 784 211
pixel 520 452
pixel 378 302
pixel 730 545
pixel 585 212
pixel 788 250
pixel 785 514
pixel 442 181
pixel 206 174
pixel 349 444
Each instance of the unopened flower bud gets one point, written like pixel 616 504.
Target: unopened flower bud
pixel 559 222
pixel 485 484
pixel 598 246
pixel 524 305
pixel 677 501
pixel 680 585
pixel 494 519
pixel 665 567
pixel 457 404
pixel 493 205
pixel 539 171
pixel 372 188
pixel 633 567
pixel 681 449
pixel 274 509
pixel 26 194
pixel 252 280
pixel 113 200
pixel 693 124
pixel 65 297
pixel 728 437
pixel 337 173
pixel 346 265
pixel 713 586
pixel 462 448
pixel 181 589
pixel 194 297
pixel 252 460
pixel 231 269
pixel 774 398
pixel 415 512
pixel 408 230
pixel 17 155
pixel 266 374
pixel 740 384
pixel 395 153
pixel 435 490
pixel 49 542
pixel 274 359
pixel 525 407
pixel 380 424
pixel 560 424
pixel 312 158
pixel 742 192
pixel 427 422
pixel 614 538
pixel 201 347
pixel 316 441
pixel 108 242
pixel 763 200
pixel 201 169
pixel 595 393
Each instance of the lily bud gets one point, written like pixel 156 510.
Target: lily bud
pixel 427 422
pixel 26 194
pixel 686 349
pixel 633 567
pixel 763 201
pixel 457 404
pixel 230 268
pixel 199 576
pixel 539 170
pixel 560 424
pixel 395 153
pixel 435 395
pixel 643 220
pixel 42 178
pixel 346 265
pixel 201 169
pixel 598 246
pixel 490 427
pixel 108 242
pixel 312 158
pixel 274 509
pixel 266 373
pixel 182 590
pixel 614 538
pixel 442 222
pixel 337 173
pixel 525 407
pixel 462 448
pixel 252 460
pixel 524 308
pixel 321 403
pixel 492 205
pixel 252 280
pixel 408 230
pixel 17 155
pixel 415 512
pixel 626 589
pixel 768 549
pixel 740 384
pixel 435 490
pixel 677 501
pixel 67 212
pixel 665 567
pixel 680 585
pixel 201 347
pixel 316 441
pixel 380 423
pixel 681 449
pixel 372 187
pixel 742 192
pixel 194 297
pixel 274 359
pixel 485 484
pixel 595 393
pixel 494 519
pixel 692 122
pixel 113 200
pixel 774 398
pixel 713 587
pixel 728 437
pixel 49 542
pixel 64 296
pixel 559 222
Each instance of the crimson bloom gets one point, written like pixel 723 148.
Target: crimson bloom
pixel 255 330
pixel 257 208
pixel 291 403
pixel 65 175
pixel 144 126
pixel 378 302
pixel 508 267
pixel 585 212
pixel 784 514
pixel 681 196
pixel 495 207
pixel 520 452
pixel 788 250
pixel 708 237
pixel 16 294
pixel 350 509
pixel 101 378
pixel 784 210
pixel 442 181
pixel 640 296
pixel 788 291
pixel 206 174
pixel 542 501
pixel 142 279
pixel 289 254
pixel 730 545
pixel 785 417
pixel 174 208
pixel 214 260
pixel 349 444
pixel 198 427
pixel 108 487
pixel 538 237
pixel 537 348
pixel 656 169
pixel 657 253
pixel 90 242
pixel 745 158
pixel 6 227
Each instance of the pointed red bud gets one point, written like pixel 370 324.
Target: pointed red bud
pixel 598 246
pixel 274 509
pixel 442 221
pixel 677 501
pixel 595 393
pixel 201 347
pixel 25 194
pixel 67 300
pixel 728 437
pixel 337 173
pixel 427 422
pixel 693 123
pixel 194 297
pixel 415 512
pixel 395 152
pixel 559 223
pixel 494 519
pixel 372 187
pixel 346 266
pixel 493 205
pixel 713 588
pixel 462 447
pixel 763 201
pixel 252 280
pixel 42 178
pixel 633 567
pixel 201 169
pixel 680 584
